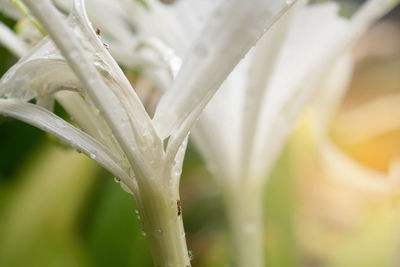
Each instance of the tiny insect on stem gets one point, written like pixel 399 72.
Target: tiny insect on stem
pixel 179 206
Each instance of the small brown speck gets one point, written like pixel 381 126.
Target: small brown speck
pixel 179 205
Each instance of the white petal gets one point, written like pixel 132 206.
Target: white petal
pixel 184 18
pixel 368 13
pixel 43 71
pixel 263 59
pixel 306 59
pixel 11 41
pixel 47 121
pixel 8 9
pixel 104 81
pixel 212 58
pixel 88 119
pixel 218 131
pixel 222 134
pixel 332 89
pixel 313 44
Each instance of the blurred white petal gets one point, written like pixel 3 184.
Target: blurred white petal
pixel 312 45
pixel 212 58
pixel 263 59
pixel 9 10
pixel 11 41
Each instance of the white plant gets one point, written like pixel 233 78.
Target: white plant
pixel 244 128
pixel 257 107
pixel 73 66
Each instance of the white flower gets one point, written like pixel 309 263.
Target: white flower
pixel 115 130
pixel 244 128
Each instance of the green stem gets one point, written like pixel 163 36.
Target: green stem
pixel 244 207
pixel 162 225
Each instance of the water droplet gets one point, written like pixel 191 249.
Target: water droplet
pixel 158 233
pixel 138 217
pixel 176 171
pixel 143 233
pixel 117 180
pixel 136 211
pixel 92 156
pixel 59 123
pixel 148 138
pixel 191 255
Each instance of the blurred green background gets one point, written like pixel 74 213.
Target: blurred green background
pixel 58 208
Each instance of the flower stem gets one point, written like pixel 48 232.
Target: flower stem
pixel 162 225
pixel 244 207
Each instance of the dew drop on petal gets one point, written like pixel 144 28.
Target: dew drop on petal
pixel 158 233
pixel 191 255
pixel 59 123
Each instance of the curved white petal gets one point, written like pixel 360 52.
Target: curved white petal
pixel 313 44
pixel 47 121
pixel 368 13
pixel 212 58
pixel 224 133
pixel 104 82
pixel 217 134
pixel 306 59
pixel 332 89
pixel 42 72
pixel 88 119
pixel 263 59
